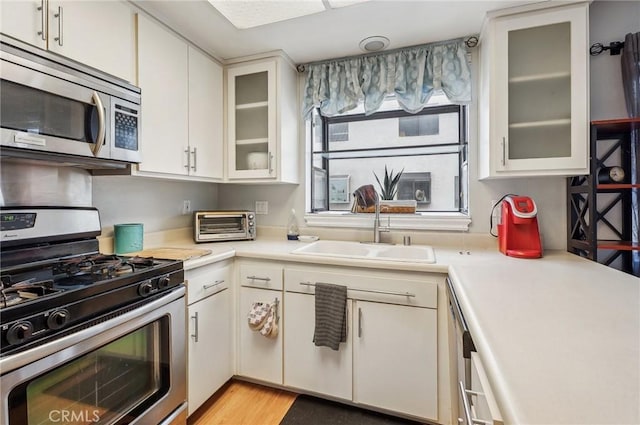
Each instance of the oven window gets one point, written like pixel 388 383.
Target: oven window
pixel 110 385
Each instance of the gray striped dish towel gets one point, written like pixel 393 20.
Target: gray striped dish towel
pixel 331 315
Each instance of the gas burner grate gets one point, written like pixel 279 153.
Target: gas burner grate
pixel 101 265
pixel 27 290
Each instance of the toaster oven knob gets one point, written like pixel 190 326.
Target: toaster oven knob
pixel 19 332
pixel 164 282
pixel 250 217
pixel 58 319
pixel 145 288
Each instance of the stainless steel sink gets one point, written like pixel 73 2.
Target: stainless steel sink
pixel 362 251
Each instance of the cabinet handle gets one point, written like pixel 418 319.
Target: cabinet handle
pixel 188 165
pixel 359 322
pixel 264 279
pixel 216 283
pixel 270 162
pixel 195 328
pixel 101 124
pixel 504 159
pixel 58 15
pixel 195 163
pixel 347 320
pixel 43 21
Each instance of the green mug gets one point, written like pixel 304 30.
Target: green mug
pixel 127 237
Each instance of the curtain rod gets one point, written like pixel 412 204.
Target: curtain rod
pixel 615 47
pixel 470 42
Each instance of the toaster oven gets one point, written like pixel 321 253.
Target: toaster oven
pixel 214 226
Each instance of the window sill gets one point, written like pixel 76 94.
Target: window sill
pixel 425 221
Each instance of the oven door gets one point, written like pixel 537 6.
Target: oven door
pixel 130 369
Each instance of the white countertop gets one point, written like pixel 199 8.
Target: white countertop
pixel 559 337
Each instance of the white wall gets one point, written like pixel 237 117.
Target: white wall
pixel 610 20
pixel 124 199
pixel 154 202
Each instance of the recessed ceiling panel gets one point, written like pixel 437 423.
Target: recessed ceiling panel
pixel 249 14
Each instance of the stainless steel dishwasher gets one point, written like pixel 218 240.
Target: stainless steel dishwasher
pixel 464 347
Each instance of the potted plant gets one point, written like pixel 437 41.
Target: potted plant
pixel 389 189
pixel 388 192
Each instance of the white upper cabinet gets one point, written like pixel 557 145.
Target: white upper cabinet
pixel 163 78
pixel 534 93
pixel 182 122
pixel 262 121
pixel 205 116
pixel 100 34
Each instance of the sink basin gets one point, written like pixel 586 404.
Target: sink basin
pixel 362 251
pixel 408 253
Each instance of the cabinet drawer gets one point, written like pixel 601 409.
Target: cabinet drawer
pixel 386 289
pixel 207 280
pixel 259 275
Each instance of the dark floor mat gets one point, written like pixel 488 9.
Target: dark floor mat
pixel 307 410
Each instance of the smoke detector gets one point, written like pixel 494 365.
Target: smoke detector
pixel 374 44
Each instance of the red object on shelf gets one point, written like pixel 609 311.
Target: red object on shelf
pixel 518 233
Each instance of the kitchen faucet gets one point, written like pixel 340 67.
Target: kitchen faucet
pixel 377 228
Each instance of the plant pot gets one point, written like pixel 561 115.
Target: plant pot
pixel 392 207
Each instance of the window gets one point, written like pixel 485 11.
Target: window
pixel 420 125
pixel 429 147
pixel 339 132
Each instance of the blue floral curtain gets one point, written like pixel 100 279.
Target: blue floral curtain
pixel 412 74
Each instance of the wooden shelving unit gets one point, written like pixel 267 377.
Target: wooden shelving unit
pixel 595 208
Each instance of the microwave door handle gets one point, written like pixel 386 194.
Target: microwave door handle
pixel 101 129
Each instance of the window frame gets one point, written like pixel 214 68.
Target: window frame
pixel 425 220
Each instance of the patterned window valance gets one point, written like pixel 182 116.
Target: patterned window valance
pixel 412 74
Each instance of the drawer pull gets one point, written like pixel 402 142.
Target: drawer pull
pixel 371 291
pixel 264 279
pixel 216 283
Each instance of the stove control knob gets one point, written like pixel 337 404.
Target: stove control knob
pixel 164 282
pixel 58 319
pixel 19 332
pixel 145 288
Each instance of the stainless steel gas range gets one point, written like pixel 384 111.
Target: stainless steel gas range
pixel 86 337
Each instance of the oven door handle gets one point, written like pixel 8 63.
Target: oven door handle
pixel 101 124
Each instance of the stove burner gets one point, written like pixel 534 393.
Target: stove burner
pixel 24 291
pixel 100 266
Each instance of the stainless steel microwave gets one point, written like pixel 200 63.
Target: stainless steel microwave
pixel 55 108
pixel 214 226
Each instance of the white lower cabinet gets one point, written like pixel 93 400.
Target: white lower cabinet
pixel 259 357
pixel 317 369
pixel 210 362
pixel 390 358
pixel 210 338
pixel 395 361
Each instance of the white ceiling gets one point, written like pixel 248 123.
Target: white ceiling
pixel 331 34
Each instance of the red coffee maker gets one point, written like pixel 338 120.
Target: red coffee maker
pixel 518 234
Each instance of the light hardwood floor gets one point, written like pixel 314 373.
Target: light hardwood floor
pixel 243 403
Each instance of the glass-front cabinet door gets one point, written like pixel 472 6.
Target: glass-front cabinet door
pixel 541 92
pixel 251 121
